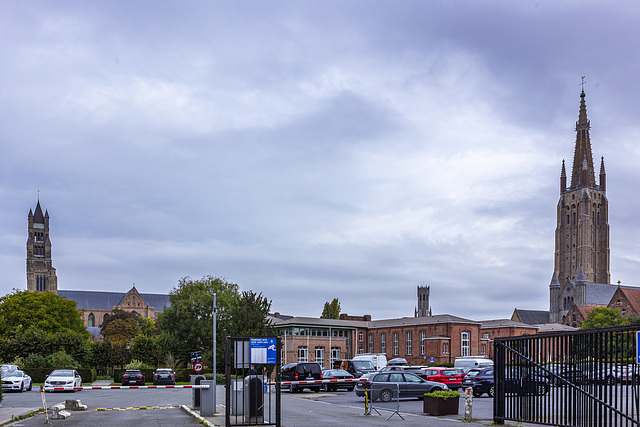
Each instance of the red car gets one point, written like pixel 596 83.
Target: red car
pixel 449 376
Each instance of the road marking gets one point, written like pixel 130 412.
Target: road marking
pixel 134 409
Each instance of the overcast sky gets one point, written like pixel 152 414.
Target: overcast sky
pixel 313 150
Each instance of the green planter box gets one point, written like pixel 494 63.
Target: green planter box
pixel 439 406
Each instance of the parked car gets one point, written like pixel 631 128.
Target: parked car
pixel 408 385
pixel 481 380
pixel 337 374
pixel 525 381
pixel 472 362
pixel 307 371
pixel 6 368
pixel 133 376
pixel 378 360
pixel 449 376
pixel 356 367
pixel 16 381
pixel 415 370
pixel 362 384
pixel 164 376
pixel 65 378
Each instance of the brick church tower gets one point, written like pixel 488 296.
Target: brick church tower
pixel 41 276
pixel 582 231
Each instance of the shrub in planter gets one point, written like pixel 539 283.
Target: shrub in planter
pixel 441 403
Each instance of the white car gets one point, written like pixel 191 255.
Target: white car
pixel 16 381
pixel 62 379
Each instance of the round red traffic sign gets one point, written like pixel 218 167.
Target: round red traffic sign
pixel 198 367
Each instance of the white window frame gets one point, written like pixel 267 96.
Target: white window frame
pixel 395 344
pixel 360 336
pixel 423 336
pixel 319 355
pixel 303 354
pixel 370 343
pixel 465 343
pixel 335 354
pixel 383 343
pixel 409 346
pixel 445 348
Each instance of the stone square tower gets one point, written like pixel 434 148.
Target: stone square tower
pixel 41 276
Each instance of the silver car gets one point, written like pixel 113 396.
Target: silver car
pixel 62 380
pixel 390 385
pixel 16 381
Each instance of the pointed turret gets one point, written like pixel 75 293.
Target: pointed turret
pixel 582 149
pixel 555 283
pixel 581 277
pixel 603 175
pixel 38 218
pixel 563 179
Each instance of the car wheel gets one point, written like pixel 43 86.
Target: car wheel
pixel 21 387
pixel 386 395
pixel 30 386
pixel 491 391
pixel 477 394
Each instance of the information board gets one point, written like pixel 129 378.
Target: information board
pixel 263 351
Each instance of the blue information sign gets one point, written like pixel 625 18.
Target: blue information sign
pixel 263 351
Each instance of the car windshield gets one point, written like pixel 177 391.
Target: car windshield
pixel 450 372
pixel 12 374
pixel 363 364
pixel 473 373
pixel 61 373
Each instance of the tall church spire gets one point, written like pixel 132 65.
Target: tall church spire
pixel 582 150
pixel 582 227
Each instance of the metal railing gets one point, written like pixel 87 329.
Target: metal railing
pixel 582 378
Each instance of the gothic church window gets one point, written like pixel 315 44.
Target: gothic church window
pixel 91 321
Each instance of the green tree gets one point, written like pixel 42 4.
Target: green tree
pixel 248 315
pixel 44 311
pixel 187 325
pixel 122 329
pixel 603 317
pixel 62 360
pixel 147 350
pixel 331 310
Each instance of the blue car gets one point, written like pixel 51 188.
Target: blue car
pixel 481 380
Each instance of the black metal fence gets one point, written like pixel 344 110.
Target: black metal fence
pixel 581 378
pixel 253 390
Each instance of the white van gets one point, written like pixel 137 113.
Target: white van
pixel 470 362
pixel 379 360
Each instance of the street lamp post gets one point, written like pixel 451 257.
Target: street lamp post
pixel 214 353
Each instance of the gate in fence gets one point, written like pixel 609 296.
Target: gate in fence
pixel 252 397
pixel 581 378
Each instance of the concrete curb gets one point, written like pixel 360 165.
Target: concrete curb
pixel 197 416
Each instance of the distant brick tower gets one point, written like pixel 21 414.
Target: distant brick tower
pixel 41 276
pixel 423 309
pixel 582 230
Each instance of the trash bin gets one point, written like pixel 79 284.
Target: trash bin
pixel 253 400
pixel 195 393
pixel 207 407
pixel 237 397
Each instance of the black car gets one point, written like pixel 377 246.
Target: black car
pixel 133 377
pixel 307 371
pixel 337 374
pixel 481 380
pixel 164 376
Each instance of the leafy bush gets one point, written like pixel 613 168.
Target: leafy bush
pixel 450 394
pixel 62 360
pixel 137 364
pixel 32 361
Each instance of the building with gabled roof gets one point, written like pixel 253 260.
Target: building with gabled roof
pixel 95 306
pixel 627 300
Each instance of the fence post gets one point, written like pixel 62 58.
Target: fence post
pixel 498 375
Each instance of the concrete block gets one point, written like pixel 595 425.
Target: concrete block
pixel 75 405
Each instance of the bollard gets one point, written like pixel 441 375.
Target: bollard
pixel 468 404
